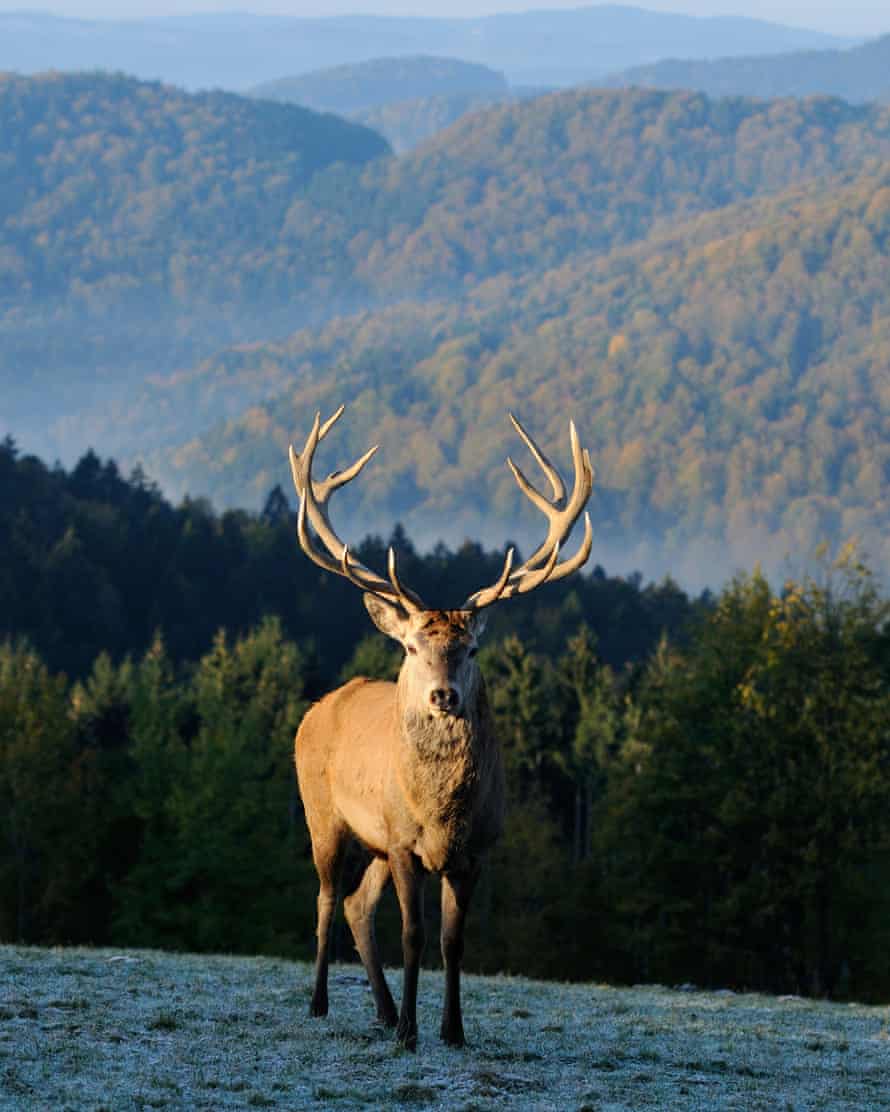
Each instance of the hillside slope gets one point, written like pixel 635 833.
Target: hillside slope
pixel 731 381
pixel 145 228
pixel 407 100
pixel 381 81
pixel 119 1028
pixel 527 185
pixel 140 227
pixel 105 177
pixel 406 124
pixel 856 74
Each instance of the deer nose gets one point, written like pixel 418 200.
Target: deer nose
pixel 444 698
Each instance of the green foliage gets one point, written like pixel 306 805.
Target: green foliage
pixel 221 825
pixel 719 816
pixel 375 656
pixel 189 572
pixel 750 802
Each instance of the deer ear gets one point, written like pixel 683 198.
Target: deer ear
pixel 388 618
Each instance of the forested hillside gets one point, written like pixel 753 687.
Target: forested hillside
pixel 731 381
pixel 198 238
pixel 408 100
pixel 104 176
pixel 527 185
pixel 857 74
pixel 406 124
pixel 141 226
pixel 381 81
pixel 702 283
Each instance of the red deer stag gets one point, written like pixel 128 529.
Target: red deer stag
pixel 412 769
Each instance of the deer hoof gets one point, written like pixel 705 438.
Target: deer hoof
pixel 452 1034
pixel 318 1007
pixel 406 1033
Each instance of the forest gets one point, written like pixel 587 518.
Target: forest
pixel 406 99
pixel 348 89
pixel 698 787
pixel 732 384
pixel 700 283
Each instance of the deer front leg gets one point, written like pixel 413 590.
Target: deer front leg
pixel 408 875
pixel 457 887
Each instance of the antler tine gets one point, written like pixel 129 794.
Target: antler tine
pixel 313 511
pixel 409 600
pixel 561 513
pixel 554 477
pixel 487 595
pixel 563 517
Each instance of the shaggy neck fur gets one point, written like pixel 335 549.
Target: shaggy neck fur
pixel 444 758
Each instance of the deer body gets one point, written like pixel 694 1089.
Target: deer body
pixel 412 770
pixel 370 766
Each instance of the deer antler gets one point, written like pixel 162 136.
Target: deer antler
pixel 543 565
pixel 313 511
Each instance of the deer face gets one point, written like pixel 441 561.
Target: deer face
pixel 439 674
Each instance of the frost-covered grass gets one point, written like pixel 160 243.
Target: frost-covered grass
pixel 99 1029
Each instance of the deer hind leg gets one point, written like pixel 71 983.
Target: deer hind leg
pixel 457 887
pixel 360 907
pixel 328 857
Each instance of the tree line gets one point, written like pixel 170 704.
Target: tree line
pixel 708 803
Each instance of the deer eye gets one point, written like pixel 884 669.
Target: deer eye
pixel 411 649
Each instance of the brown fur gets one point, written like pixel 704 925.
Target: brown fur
pixel 421 788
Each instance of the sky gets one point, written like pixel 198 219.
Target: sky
pixel 852 17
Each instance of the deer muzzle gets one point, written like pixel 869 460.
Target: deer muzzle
pixel 446 700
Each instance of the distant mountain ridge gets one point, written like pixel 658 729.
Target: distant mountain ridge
pixel 237 51
pixel 380 81
pixel 856 74
pixel 406 99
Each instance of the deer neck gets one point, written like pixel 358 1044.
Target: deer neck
pixel 446 765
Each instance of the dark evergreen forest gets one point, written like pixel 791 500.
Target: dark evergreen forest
pixel 698 787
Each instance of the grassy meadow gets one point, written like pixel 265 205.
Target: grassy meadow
pixel 116 1030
